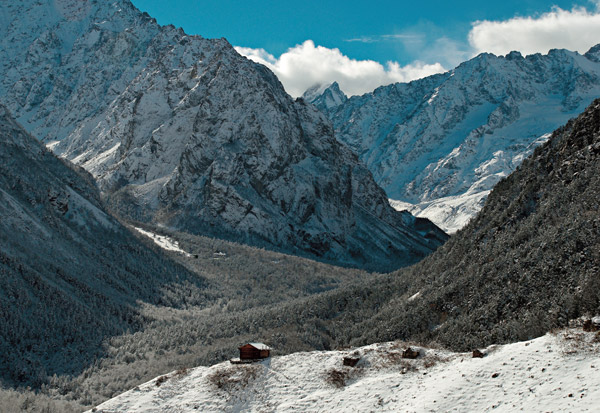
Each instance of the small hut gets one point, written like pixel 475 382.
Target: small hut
pixel 254 351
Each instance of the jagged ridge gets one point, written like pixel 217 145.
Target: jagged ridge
pixel 441 143
pixel 183 131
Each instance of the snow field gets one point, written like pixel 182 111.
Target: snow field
pixel 554 373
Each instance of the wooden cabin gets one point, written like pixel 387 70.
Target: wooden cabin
pixel 254 351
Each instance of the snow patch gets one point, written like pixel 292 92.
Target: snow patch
pixel 97 162
pixel 52 144
pixel 434 95
pixel 162 241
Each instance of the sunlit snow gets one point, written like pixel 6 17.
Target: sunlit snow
pixel 552 373
pixel 162 241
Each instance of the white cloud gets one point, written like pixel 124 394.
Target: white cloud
pixel 305 65
pixel 577 29
pixel 258 55
pixel 364 39
pixel 404 38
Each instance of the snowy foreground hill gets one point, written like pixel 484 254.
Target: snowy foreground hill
pixel 441 143
pixel 554 373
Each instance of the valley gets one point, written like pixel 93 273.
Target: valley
pixel 164 200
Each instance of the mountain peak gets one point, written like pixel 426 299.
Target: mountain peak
pixel 594 53
pixel 317 90
pixel 183 131
pixel 514 55
pixel 325 97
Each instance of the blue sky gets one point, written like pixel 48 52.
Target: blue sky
pixel 426 36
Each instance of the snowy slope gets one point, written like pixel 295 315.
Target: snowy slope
pixel 451 213
pixel 163 242
pixel 554 373
pixel 183 131
pixel 437 142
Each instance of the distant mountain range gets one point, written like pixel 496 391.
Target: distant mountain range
pixel 438 145
pixel 183 131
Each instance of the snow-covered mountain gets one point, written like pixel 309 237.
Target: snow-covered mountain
pixel 557 372
pixel 325 97
pixel 70 273
pixel 439 144
pixel 183 131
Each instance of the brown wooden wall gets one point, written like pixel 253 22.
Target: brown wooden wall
pixel 248 352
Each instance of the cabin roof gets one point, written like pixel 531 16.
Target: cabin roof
pixel 258 346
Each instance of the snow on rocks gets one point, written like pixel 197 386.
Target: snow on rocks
pixel 182 131
pixel 557 372
pixel 437 140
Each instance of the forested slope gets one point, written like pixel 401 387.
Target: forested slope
pixel 529 262
pixel 70 274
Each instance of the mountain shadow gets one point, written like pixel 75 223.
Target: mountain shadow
pixel 70 274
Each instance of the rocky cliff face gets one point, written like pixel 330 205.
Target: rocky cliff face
pixel 183 131
pixel 441 143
